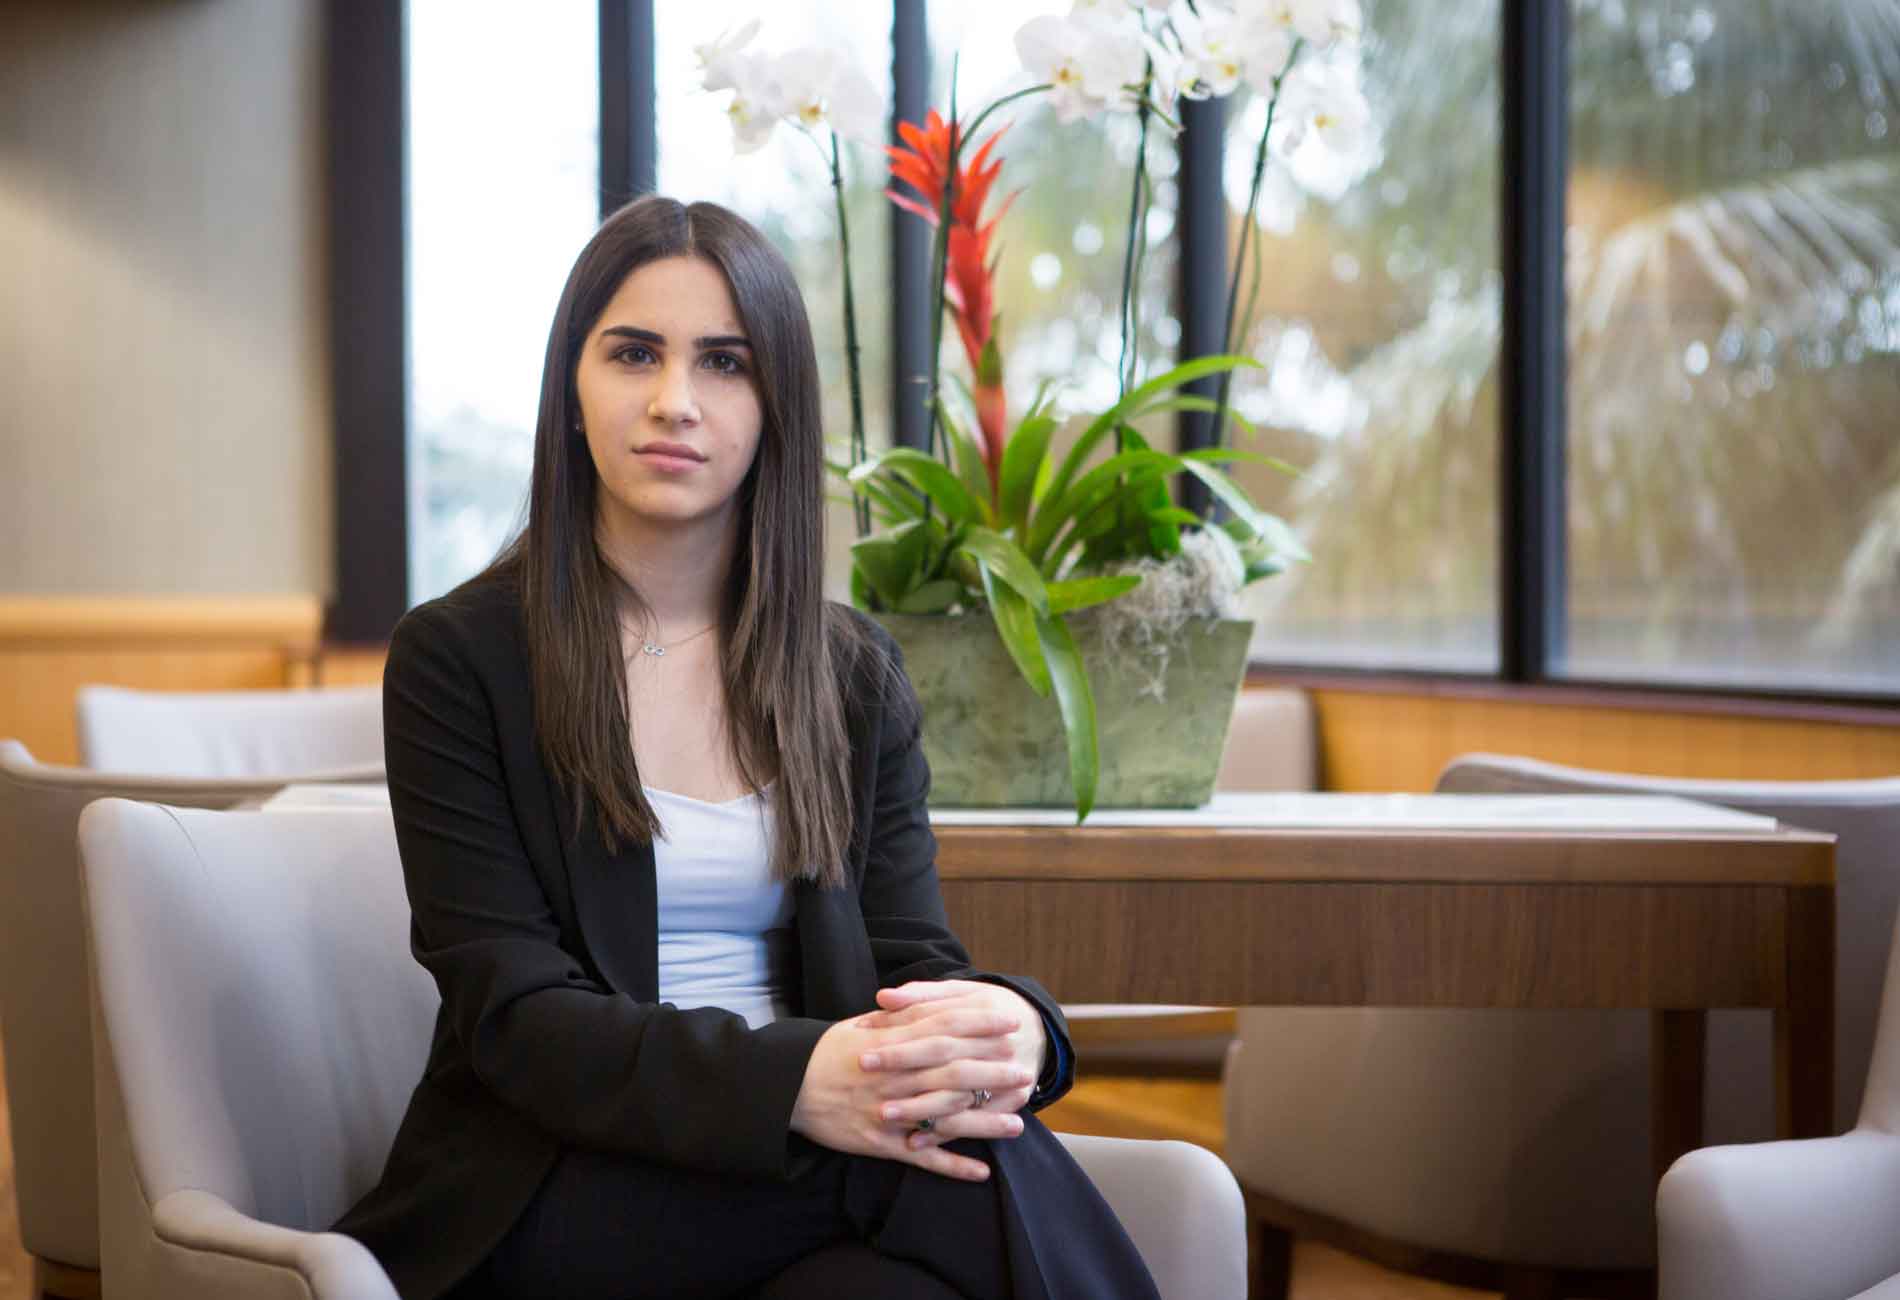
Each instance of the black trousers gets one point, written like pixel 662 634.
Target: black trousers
pixel 605 1227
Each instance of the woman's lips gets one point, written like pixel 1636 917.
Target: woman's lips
pixel 670 457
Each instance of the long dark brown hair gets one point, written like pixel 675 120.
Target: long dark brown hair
pixel 785 653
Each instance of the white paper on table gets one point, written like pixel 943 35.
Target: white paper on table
pixel 1302 811
pixel 1309 811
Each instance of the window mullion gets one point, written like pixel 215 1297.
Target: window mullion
pixel 1531 442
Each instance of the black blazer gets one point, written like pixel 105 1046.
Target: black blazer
pixel 544 946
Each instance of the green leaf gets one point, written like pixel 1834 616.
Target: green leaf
pixel 1220 455
pixel 1089 491
pixel 1114 415
pixel 999 555
pixel 893 561
pixel 1042 395
pixel 1080 593
pixel 1016 625
pixel 1025 456
pixel 930 477
pixel 1273 532
pixel 898 504
pixel 1045 475
pixel 1259 521
pixel 968 458
pixel 1077 703
pixel 1195 402
pixel 861 594
pixel 933 597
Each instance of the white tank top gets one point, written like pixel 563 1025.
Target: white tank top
pixel 725 924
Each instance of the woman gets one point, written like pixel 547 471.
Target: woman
pixel 704 1030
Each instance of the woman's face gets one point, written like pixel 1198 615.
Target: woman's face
pixel 668 398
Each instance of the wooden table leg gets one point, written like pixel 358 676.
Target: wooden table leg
pixel 1678 1047
pixel 1804 1028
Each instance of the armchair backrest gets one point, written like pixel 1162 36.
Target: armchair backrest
pixel 1880 1105
pixel 264 1020
pixel 1272 743
pixel 1864 818
pixel 43 988
pixel 333 734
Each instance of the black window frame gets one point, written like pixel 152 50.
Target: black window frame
pixel 366 151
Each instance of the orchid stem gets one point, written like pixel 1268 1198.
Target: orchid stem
pixel 861 509
pixel 1137 234
pixel 1240 259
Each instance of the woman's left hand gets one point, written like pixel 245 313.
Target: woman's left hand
pixel 919 1007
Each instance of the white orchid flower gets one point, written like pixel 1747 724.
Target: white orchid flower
pixel 751 121
pixel 1317 22
pixel 1169 74
pixel 720 61
pixel 1213 51
pixel 1088 65
pixel 1345 20
pixel 1327 103
pixel 819 89
pixel 1267 50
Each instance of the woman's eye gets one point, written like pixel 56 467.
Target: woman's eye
pixel 636 353
pixel 725 363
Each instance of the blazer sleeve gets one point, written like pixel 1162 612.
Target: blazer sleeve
pixel 587 1065
pixel 901 898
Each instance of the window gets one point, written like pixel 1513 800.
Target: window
pixel 1734 357
pixel 502 193
pixel 1378 332
pixel 1061 246
pixel 1731 261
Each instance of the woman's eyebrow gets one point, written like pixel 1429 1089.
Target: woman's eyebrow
pixel 650 336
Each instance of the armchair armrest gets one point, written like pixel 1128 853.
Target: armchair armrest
pixel 1181 1207
pixel 1808 1220
pixel 207 1249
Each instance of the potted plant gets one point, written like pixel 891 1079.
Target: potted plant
pixel 1069 628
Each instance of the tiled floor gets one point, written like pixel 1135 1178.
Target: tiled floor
pixel 1129 1108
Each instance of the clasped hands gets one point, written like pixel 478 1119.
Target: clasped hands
pixel 923 1056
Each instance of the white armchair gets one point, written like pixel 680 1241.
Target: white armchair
pixel 333 733
pixel 1510 1149
pixel 1813 1220
pixel 43 998
pixel 260 1025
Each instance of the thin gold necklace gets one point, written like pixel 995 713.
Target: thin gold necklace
pixel 658 651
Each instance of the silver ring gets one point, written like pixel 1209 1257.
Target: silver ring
pixel 982 1096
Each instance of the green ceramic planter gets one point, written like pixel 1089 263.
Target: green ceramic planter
pixel 992 742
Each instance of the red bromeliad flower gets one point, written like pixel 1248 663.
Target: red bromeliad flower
pixel 970 270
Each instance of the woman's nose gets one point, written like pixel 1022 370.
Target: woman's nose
pixel 674 402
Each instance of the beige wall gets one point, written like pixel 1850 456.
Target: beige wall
pixel 164 414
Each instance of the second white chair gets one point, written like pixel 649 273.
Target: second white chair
pixel 308 734
pixel 1506 1147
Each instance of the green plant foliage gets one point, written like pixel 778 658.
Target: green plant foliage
pixel 1042 543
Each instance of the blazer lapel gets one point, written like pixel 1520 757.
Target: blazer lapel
pixel 616 905
pixel 837 973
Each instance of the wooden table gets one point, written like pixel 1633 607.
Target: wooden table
pixel 1357 911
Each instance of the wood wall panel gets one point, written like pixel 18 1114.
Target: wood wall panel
pixel 1383 739
pixel 352 665
pixel 50 646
